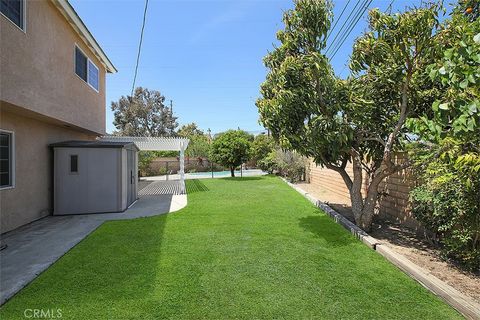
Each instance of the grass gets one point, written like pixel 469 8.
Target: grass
pixel 242 248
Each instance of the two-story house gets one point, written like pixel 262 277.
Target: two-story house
pixel 52 88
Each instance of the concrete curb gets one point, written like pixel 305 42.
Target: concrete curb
pixel 463 304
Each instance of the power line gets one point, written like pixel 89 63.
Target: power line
pixel 338 19
pixel 389 8
pixel 351 28
pixel 343 26
pixel 344 33
pixel 139 47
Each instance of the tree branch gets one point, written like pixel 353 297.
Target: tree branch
pixel 387 154
pixel 340 169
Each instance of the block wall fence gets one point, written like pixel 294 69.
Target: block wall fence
pixel 394 204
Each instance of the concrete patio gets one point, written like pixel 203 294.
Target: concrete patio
pixel 34 247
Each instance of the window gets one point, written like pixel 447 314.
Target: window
pixel 14 10
pixel 73 163
pixel 92 75
pixel 86 69
pixel 81 64
pixel 6 159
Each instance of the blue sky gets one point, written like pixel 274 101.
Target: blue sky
pixel 206 56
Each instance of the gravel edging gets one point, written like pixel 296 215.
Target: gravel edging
pixel 463 304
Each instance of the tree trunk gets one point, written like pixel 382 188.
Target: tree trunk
pixel 368 210
pixel 363 209
pixel 356 197
pixel 232 172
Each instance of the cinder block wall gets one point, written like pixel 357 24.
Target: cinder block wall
pixel 393 204
pixel 331 180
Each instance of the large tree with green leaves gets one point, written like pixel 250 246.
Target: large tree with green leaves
pixel 199 145
pixel 360 120
pixel 231 148
pixel 143 114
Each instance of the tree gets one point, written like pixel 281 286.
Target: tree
pixel 199 145
pixel 231 148
pixel 190 130
pixel 144 114
pixel 262 146
pixel 359 120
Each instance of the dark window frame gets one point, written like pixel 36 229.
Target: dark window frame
pixel 88 64
pixel 73 169
pixel 22 14
pixel 11 159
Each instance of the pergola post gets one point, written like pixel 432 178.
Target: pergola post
pixel 182 166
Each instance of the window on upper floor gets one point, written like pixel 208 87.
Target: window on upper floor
pixel 86 69
pixel 6 159
pixel 14 10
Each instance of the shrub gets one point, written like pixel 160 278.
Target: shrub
pixel 447 201
pixel 162 171
pixel 267 163
pixel 289 165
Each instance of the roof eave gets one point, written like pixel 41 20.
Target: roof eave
pixel 77 24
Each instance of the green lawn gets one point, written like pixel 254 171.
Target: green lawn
pixel 242 248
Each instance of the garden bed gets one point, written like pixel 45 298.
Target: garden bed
pixel 407 242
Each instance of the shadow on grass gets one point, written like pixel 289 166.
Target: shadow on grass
pixel 195 185
pixel 323 227
pixel 118 262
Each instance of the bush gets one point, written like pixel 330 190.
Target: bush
pixel 161 171
pixel 290 165
pixel 267 163
pixel 448 199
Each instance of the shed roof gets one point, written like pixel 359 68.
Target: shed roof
pixel 92 144
pixel 152 143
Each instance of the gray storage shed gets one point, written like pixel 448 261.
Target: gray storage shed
pixel 94 176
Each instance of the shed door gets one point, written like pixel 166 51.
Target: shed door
pixel 131 196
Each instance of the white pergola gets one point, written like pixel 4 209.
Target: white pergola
pixel 157 144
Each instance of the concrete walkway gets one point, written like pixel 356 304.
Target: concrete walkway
pixel 34 247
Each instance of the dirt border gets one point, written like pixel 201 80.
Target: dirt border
pixel 462 303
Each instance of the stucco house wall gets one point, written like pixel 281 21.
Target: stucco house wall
pixel 31 197
pixel 43 101
pixel 37 69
